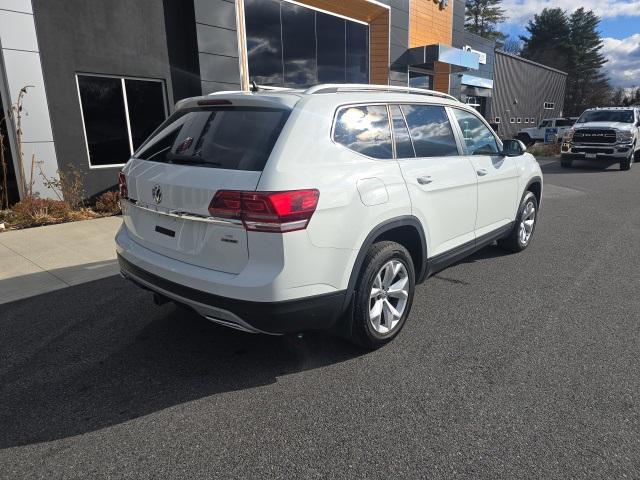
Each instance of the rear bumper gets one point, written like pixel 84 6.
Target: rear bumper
pixel 319 312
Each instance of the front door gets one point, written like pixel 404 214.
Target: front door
pixel 497 175
pixel 441 182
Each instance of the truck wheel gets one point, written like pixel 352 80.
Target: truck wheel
pixel 565 162
pixel 383 296
pixel 627 162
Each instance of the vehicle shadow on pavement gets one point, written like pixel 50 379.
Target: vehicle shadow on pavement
pixel 581 166
pixel 99 354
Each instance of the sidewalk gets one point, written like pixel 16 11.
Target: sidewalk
pixel 43 259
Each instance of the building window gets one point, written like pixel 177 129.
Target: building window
pixel 526 119
pixel 519 120
pixel 549 105
pixel 118 115
pixel 512 120
pixel 497 120
pixel 294 46
pixel 419 79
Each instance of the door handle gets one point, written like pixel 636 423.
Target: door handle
pixel 426 180
pixel 481 172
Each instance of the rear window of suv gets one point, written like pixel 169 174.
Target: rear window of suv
pixel 233 138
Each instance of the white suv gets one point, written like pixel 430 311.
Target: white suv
pixel 285 211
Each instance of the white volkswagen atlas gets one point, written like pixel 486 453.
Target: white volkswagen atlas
pixel 284 211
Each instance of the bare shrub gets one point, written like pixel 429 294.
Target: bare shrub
pixel 108 203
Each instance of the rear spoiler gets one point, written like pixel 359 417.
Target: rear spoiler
pixel 272 99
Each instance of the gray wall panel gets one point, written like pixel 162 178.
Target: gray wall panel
pixel 216 68
pixel 217 43
pixel 210 87
pixel 217 13
pixel 215 40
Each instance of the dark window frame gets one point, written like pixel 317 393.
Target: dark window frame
pixel 125 106
pixel 459 142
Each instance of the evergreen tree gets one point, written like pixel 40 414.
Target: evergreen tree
pixel 572 44
pixel 587 85
pixel 549 41
pixel 482 18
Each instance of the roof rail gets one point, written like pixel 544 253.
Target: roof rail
pixel 364 87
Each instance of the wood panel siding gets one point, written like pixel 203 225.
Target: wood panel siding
pixel 428 25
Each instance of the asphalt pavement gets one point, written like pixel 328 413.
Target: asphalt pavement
pixel 510 366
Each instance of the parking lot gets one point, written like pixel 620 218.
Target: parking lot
pixel 510 366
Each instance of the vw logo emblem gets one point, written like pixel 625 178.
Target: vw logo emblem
pixel 156 192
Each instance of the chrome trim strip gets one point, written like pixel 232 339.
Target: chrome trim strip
pixel 181 214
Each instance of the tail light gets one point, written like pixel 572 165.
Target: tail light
pixel 266 211
pixel 122 185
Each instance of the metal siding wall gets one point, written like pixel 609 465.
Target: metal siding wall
pixel 530 85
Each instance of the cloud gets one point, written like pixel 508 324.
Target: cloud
pixel 520 11
pixel 623 66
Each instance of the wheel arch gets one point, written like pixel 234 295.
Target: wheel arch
pixel 534 185
pixel 407 231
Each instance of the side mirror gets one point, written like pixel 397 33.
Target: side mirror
pixel 513 148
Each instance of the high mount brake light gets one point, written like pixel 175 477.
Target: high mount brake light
pixel 122 185
pixel 266 211
pixel 213 102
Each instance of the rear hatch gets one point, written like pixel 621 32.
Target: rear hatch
pixel 208 146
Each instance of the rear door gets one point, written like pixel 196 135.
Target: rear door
pixel 174 175
pixel 497 175
pixel 442 182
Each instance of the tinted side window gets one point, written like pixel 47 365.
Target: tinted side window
pixel 235 138
pixel 477 137
pixel 364 130
pixel 430 130
pixel 404 147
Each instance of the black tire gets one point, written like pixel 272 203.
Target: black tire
pixel 514 242
pixel 363 332
pixel 525 138
pixel 565 162
pixel 627 162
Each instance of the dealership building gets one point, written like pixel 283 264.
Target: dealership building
pixel 101 75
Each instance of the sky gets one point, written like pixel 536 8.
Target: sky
pixel 619 28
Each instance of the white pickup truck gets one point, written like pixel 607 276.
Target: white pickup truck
pixel 611 133
pixel 531 135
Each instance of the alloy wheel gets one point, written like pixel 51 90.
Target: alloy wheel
pixel 527 222
pixel 389 295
